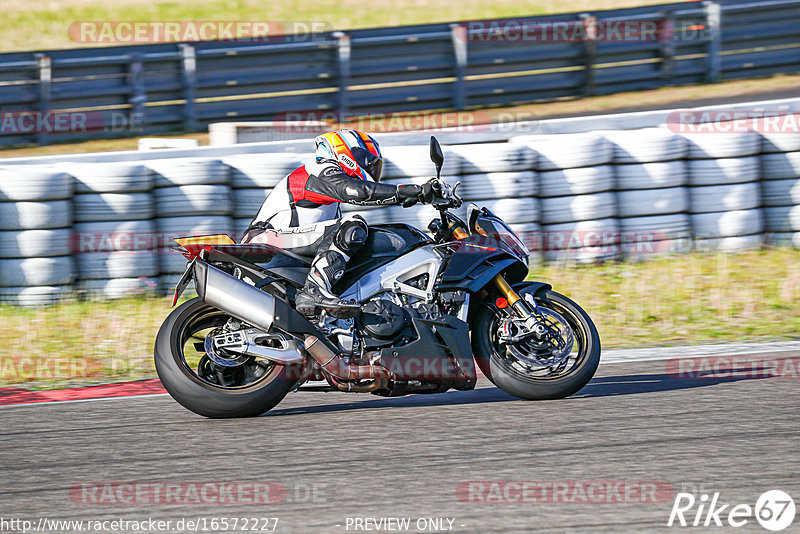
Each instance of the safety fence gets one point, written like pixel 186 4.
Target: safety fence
pixel 105 228
pixel 99 92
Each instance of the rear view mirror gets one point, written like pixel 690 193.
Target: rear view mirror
pixel 437 156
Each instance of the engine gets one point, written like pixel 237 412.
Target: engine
pixel 383 320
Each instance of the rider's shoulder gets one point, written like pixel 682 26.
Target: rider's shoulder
pixel 323 167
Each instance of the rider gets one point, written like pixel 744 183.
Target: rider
pixel 302 213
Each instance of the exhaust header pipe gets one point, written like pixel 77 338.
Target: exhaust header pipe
pixel 335 366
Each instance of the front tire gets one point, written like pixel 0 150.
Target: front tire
pixel 245 392
pixel 506 373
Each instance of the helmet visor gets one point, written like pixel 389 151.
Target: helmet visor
pixel 369 162
pixel 375 168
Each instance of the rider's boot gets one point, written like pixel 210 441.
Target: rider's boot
pixel 326 269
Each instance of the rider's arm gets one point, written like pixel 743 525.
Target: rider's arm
pixel 334 185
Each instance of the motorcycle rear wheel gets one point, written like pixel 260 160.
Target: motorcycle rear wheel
pixel 204 388
pixel 510 374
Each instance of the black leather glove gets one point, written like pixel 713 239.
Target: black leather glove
pixel 428 193
pixel 408 194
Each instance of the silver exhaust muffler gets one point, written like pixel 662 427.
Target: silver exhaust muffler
pixel 246 303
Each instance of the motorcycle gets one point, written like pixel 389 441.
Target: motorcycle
pixel 435 308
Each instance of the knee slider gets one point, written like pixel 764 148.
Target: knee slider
pixel 352 235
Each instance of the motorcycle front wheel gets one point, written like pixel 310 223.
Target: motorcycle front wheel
pixel 247 389
pixel 535 369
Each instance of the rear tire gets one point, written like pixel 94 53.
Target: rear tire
pixel 518 384
pixel 200 396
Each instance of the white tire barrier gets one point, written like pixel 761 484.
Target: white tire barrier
pixel 113 236
pixel 189 171
pixel 730 197
pixel 657 227
pixel 31 183
pixel 170 228
pixel 656 175
pixel 249 201
pixel 511 210
pixel 193 200
pixel 119 264
pixel 25 272
pixel 112 207
pixel 778 166
pixel 722 144
pixel 263 170
pixel 586 240
pixel 729 244
pixel 727 223
pixel 117 177
pixel 171 262
pixel 723 171
pixel 35 215
pixel 417 216
pixel 404 161
pixel 33 296
pixel 118 288
pixel 569 256
pixel 35 243
pixel 578 181
pixel 564 151
pixel 780 141
pixel 646 145
pixel 372 216
pixel 530 234
pixel 167 283
pixel 647 202
pixel 240 225
pixel 782 218
pixel 576 208
pixel 493 157
pixel 194 225
pixel 780 192
pixel 785 239
pixel 498 185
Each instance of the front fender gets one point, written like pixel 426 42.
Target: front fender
pixel 536 288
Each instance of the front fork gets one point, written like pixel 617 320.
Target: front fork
pixel 528 318
pixel 512 297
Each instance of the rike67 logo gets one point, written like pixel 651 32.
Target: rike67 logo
pixel 774 510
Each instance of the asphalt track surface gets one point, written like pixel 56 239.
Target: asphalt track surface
pixel 342 456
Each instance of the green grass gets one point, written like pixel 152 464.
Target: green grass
pixel 687 299
pixel 34 25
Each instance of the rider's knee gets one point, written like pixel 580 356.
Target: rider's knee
pixel 352 234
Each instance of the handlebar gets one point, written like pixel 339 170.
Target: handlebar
pixel 448 198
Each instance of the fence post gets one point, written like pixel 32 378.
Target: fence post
pixel 459 35
pixel 714 24
pixel 189 71
pixel 138 96
pixel 44 67
pixel 666 42
pixel 589 51
pixel 343 53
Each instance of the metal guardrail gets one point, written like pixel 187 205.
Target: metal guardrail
pixel 148 89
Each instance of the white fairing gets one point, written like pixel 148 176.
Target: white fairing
pixel 393 275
